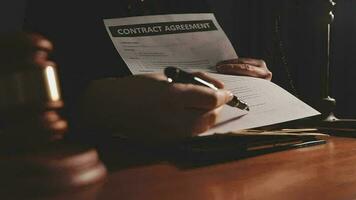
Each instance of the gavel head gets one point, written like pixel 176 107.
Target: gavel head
pixel 29 91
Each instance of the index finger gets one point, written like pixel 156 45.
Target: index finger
pixel 210 79
pixel 195 96
pixel 252 61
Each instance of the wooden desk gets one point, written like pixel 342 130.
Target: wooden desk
pixel 318 172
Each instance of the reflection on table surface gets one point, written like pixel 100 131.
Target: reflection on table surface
pixel 319 172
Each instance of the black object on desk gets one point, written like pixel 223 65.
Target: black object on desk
pixel 340 127
pixel 207 150
pixel 222 148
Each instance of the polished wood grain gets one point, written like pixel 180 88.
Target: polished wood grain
pixel 319 172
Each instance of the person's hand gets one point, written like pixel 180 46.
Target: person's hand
pixel 245 66
pixel 148 108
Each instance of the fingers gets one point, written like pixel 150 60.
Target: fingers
pixel 172 111
pixel 199 97
pixel 155 76
pixel 245 66
pixel 244 69
pixel 205 121
pixel 230 61
pixel 254 62
pixel 251 61
pixel 209 79
pixel 202 75
pixel 196 122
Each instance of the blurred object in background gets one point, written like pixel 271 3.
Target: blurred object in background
pixel 11 15
pixel 56 171
pixel 29 92
pixel 35 161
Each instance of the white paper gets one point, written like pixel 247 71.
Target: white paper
pixel 197 51
pixel 269 104
pixel 200 51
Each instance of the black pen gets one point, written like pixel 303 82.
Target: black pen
pixel 179 76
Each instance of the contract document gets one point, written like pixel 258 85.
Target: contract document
pixel 196 42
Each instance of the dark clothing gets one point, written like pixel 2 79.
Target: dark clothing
pixel 83 49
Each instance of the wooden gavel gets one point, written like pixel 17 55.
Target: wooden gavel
pixel 34 161
pixel 29 92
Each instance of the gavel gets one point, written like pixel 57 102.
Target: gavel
pixel 30 94
pixel 34 160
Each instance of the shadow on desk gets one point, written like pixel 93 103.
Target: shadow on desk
pixel 198 152
pixel 321 172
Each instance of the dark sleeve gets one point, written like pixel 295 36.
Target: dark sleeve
pixel 83 50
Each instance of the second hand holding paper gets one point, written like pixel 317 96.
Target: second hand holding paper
pixel 196 42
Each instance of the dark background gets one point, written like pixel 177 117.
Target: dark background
pixel 250 25
pixel 11 15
